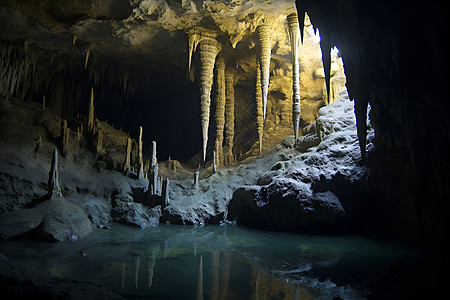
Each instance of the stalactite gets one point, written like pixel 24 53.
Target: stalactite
pixel 193 40
pixel 265 40
pixel 127 161
pixel 140 166
pixel 229 117
pixel 220 109
pixel 294 37
pixel 208 49
pixel 90 120
pixel 259 109
pixel 88 52
pixel 53 189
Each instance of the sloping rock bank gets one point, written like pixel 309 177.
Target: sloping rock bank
pixel 313 191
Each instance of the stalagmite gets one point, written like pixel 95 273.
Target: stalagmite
pixel 208 49
pixel 259 109
pixel 88 52
pixel 64 137
pixel 294 37
pixel 265 41
pixel 214 162
pixel 90 120
pixel 220 108
pixel 53 189
pixel 165 193
pixel 153 180
pixel 140 156
pixel 127 161
pixel 43 102
pixel 196 175
pixel 229 117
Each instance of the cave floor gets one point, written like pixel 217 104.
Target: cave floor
pixel 222 262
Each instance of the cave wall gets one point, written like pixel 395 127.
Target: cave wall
pixel 394 60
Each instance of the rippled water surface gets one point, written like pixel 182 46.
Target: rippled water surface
pixel 214 262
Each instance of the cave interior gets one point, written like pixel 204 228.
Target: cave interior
pixel 311 116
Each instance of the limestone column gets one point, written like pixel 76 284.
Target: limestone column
pixel 294 31
pixel 229 117
pixel 220 109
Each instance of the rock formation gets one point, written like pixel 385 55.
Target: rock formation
pixel 229 118
pixel 259 109
pixel 140 159
pixel 294 38
pixel 153 182
pixel 127 160
pixel 208 49
pixel 90 119
pixel 265 47
pixel 220 108
pixel 53 189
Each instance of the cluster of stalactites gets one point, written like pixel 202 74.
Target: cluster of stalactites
pixel 208 48
pixel 18 70
pixel 294 31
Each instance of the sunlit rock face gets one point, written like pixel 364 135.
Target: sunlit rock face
pixel 126 50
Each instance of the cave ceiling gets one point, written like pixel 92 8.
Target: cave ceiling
pixel 139 34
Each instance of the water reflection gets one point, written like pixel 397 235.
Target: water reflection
pixel 212 262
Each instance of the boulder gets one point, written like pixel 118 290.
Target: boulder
pixel 126 211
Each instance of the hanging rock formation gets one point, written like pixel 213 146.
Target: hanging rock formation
pixel 220 108
pixel 208 49
pixel 294 38
pixel 259 108
pixel 193 39
pixel 229 118
pixel 264 38
pixel 90 120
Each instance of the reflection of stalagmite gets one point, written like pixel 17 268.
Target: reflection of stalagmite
pixel 215 263
pixel 90 124
pixel 294 37
pixel 259 109
pixel 200 280
pixel 53 189
pixel 123 275
pixel 140 156
pixel 136 271
pixel 207 51
pixel 229 118
pixel 264 38
pixel 224 276
pixel 220 108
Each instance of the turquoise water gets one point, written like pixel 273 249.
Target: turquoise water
pixel 214 262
